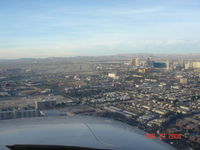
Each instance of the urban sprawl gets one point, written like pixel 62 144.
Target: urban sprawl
pixel 155 94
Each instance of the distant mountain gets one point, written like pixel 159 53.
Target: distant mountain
pixel 192 56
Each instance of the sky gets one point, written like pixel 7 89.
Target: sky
pixel 65 28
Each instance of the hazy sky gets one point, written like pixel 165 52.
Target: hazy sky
pixel 48 28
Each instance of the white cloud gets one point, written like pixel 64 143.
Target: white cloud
pixel 136 11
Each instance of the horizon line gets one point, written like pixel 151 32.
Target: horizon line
pixel 109 55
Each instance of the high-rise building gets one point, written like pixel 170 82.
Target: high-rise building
pixel 149 62
pixel 188 65
pixel 167 65
pixel 159 64
pixel 192 65
pixel 136 62
pixel 196 65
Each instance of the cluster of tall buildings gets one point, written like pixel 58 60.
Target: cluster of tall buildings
pixel 165 64
pixel 192 65
pixel 136 62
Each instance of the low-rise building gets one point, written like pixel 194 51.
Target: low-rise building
pixel 45 104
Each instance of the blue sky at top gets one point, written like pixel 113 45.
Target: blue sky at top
pixel 47 28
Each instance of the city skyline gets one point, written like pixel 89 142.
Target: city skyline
pixel 49 28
